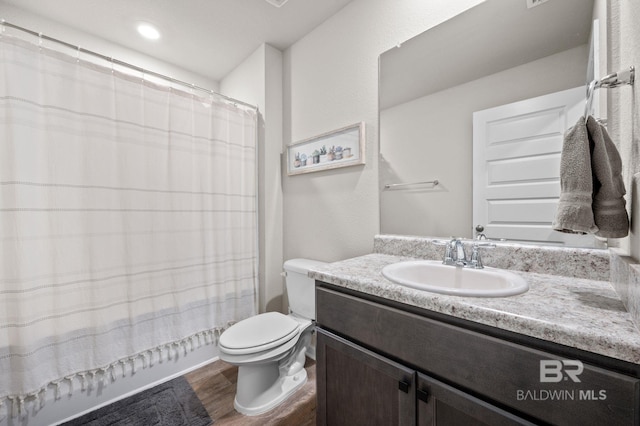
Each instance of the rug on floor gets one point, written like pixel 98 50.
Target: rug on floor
pixel 173 403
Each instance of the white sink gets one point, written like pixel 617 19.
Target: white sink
pixel 432 275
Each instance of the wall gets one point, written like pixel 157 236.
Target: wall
pixel 624 128
pixel 624 105
pixel 258 81
pixel 330 81
pixel 431 138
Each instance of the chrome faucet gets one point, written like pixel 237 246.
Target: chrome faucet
pixel 460 256
pixel 455 254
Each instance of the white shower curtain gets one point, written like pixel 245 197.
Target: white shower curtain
pixel 128 221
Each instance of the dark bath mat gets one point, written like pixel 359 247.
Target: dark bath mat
pixel 173 403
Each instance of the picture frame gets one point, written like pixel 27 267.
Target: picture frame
pixel 343 147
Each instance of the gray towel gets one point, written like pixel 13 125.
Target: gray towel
pixel 609 206
pixel 575 213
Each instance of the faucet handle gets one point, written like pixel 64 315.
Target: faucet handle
pixel 448 252
pixel 476 261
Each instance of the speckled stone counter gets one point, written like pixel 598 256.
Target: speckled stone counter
pixel 578 312
pixel 568 262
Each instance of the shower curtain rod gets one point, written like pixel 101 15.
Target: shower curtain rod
pixel 125 64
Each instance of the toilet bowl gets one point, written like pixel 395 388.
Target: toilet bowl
pixel 270 349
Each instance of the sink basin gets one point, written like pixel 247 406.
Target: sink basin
pixel 433 276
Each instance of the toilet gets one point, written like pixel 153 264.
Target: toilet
pixel 270 349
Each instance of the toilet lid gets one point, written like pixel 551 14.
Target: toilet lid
pixel 261 332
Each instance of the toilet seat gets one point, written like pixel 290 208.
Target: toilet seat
pixel 259 333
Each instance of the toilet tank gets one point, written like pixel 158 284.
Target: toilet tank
pixel 301 288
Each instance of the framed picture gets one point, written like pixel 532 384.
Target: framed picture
pixel 338 148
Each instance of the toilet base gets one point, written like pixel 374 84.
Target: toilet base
pixel 263 386
pixel 273 396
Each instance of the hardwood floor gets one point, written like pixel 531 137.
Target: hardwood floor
pixel 215 385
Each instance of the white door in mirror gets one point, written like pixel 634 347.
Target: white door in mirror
pixel 516 167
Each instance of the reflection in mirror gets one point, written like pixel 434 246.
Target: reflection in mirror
pixel 498 53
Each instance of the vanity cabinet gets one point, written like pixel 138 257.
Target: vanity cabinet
pixel 441 404
pixel 381 362
pixel 362 387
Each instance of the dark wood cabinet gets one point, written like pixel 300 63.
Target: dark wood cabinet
pixel 443 405
pixel 370 351
pixel 360 387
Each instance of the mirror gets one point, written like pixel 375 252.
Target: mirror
pixel 496 53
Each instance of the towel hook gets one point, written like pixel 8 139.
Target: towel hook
pixel 591 88
pixel 619 78
pixel 612 80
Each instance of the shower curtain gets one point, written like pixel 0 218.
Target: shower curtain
pixel 128 221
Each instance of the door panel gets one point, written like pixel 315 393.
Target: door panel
pixel 359 387
pixel 442 405
pixel 516 161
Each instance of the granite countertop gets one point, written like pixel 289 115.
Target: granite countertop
pixel 578 312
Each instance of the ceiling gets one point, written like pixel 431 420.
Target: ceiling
pixel 209 37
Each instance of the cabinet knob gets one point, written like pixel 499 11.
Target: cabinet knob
pixel 403 386
pixel 422 395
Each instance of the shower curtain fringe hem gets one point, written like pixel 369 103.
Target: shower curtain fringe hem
pixel 102 377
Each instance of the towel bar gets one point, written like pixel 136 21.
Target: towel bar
pixel 395 185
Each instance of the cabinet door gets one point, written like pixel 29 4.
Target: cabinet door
pixel 359 387
pixel 440 404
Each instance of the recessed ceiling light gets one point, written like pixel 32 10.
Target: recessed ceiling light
pixel 277 3
pixel 148 31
